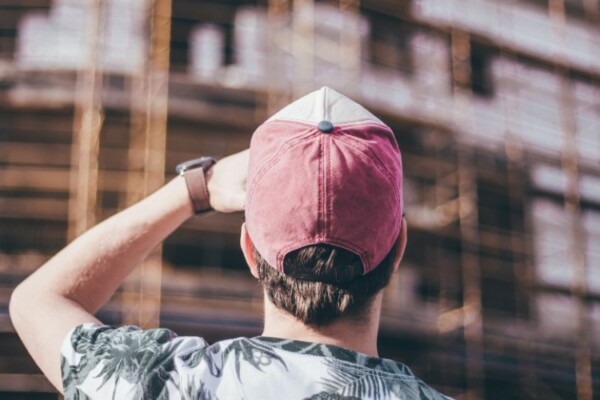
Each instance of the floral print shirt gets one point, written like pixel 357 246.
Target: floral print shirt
pixel 101 362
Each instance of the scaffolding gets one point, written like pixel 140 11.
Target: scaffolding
pixel 87 124
pixel 146 150
pixel 572 204
pixel 146 159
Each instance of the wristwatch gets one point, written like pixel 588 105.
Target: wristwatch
pixel 194 173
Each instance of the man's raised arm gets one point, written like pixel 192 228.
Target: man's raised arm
pixel 68 289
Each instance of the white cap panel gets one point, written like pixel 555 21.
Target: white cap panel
pixel 325 104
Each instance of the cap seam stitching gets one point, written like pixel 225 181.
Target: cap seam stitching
pixel 321 212
pixel 284 148
pixel 328 198
pixel 379 164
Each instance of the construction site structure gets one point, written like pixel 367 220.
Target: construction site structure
pixel 495 105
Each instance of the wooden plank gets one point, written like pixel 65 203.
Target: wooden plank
pixel 54 179
pixel 48 155
pixel 5 324
pixel 21 364
pixel 215 12
pixel 50 179
pixel 25 383
pixel 55 155
pixel 46 209
pixel 44 126
pixel 9 18
pixel 28 4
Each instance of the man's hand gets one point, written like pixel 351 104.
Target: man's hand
pixel 226 182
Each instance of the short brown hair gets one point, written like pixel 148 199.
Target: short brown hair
pixel 320 303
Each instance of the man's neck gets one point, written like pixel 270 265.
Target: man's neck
pixel 356 336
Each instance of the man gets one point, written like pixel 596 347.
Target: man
pixel 322 190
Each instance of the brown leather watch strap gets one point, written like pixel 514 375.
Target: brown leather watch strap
pixel 195 180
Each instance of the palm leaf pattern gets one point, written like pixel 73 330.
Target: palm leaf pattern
pixel 370 383
pixel 356 382
pixel 142 358
pixel 210 355
pixel 331 396
pixel 253 353
pixel 339 353
pixel 195 392
pixel 347 380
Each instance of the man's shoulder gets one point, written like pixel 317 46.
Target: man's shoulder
pixel 338 371
pixel 310 370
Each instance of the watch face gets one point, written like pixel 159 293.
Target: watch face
pixel 202 162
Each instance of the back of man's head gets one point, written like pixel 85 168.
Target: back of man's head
pixel 324 206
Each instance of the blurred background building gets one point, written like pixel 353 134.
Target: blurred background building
pixel 495 104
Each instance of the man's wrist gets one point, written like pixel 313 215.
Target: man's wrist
pixel 194 172
pixel 195 180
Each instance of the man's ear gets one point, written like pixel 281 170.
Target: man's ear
pixel 248 250
pixel 401 246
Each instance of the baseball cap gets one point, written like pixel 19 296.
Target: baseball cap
pixel 324 170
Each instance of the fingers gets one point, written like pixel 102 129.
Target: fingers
pixel 226 182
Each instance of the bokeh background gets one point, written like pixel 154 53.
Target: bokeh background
pixel 495 104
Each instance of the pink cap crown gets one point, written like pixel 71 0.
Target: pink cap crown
pixel 324 170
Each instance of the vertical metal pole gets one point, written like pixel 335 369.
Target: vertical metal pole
pixel 573 208
pixel 592 11
pixel 350 46
pixel 279 43
pixel 137 84
pixel 87 124
pixel 468 219
pixel 303 46
pixel 570 165
pixel 155 149
pixel 137 130
pixel 146 158
pixel 445 305
pixel 515 157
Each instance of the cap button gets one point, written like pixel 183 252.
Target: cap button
pixel 325 126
